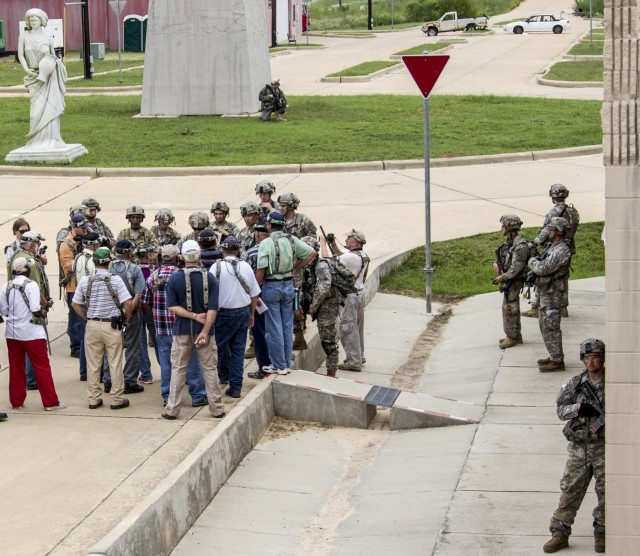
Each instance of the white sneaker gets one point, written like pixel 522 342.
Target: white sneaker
pixel 269 369
pixel 283 371
pixel 61 405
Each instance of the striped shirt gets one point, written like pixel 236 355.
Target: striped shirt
pixel 101 305
pixel 155 294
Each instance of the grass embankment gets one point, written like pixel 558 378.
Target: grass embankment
pixel 581 70
pixel 320 129
pixel 585 49
pixel 463 266
pixel 365 68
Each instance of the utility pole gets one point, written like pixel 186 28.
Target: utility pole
pixel 274 27
pixel 370 16
pixel 86 41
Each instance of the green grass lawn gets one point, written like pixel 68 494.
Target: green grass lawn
pixel 421 48
pixel 582 70
pixel 463 266
pixel 585 49
pixel 365 68
pixel 129 78
pixel 319 130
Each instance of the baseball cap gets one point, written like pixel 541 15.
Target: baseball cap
pixel 170 252
pixel 79 221
pixel 230 243
pixel 31 236
pixel 357 235
pixel 124 245
pixel 276 218
pixel 91 238
pixel 260 228
pixel 190 246
pixel 102 255
pixel 21 264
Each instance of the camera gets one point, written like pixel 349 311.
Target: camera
pixel 331 238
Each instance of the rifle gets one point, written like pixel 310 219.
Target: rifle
pixel 599 422
pixel 330 236
pixel 501 267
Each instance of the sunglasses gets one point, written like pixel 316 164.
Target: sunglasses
pixel 24 231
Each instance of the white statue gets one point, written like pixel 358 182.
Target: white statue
pixel 45 79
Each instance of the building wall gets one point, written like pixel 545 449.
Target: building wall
pixel 622 190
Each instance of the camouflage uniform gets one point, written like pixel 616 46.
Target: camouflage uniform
pixel 325 305
pixel 228 226
pixel 246 238
pixel 300 226
pixel 586 458
pixel 166 237
pixel 513 257
pixel 100 228
pixel 142 235
pixel 552 270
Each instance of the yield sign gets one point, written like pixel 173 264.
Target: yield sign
pixel 425 70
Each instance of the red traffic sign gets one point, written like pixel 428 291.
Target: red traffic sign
pixel 425 70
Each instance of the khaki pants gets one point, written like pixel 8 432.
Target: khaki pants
pixel 98 338
pixel 207 355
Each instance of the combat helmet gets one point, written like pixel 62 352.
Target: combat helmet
pixel 511 222
pixel 143 249
pixel 592 345
pixel 265 186
pixel 78 209
pixel 135 210
pixel 558 191
pixel 311 242
pixel 220 205
pixel 289 199
pixel 559 224
pixel 249 208
pixel 199 220
pixel 165 215
pixel 91 202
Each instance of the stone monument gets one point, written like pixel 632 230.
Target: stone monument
pixel 45 80
pixel 621 146
pixel 205 57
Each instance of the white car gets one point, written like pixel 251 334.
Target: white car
pixel 541 22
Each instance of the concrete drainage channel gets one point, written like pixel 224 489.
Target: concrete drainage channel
pixel 158 523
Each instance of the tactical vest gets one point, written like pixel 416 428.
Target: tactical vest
pixel 205 285
pixel 106 278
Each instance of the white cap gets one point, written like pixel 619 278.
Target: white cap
pixel 190 246
pixel 21 264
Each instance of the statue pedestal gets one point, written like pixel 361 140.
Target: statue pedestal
pixel 63 155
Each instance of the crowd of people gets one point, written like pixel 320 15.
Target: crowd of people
pixel 580 401
pixel 193 298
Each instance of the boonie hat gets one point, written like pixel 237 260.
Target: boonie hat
pixel 359 236
pixel 190 246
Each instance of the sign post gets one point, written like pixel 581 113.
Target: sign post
pixel 425 71
pixel 117 6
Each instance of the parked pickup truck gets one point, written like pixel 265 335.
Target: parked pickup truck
pixel 450 22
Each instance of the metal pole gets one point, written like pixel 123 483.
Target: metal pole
pixel 427 205
pixel 590 23
pixel 392 14
pixel 119 40
pixel 369 16
pixel 274 23
pixel 86 41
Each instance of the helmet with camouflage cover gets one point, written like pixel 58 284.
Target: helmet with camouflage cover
pixel 289 199
pixel 135 210
pixel 144 248
pixel 165 216
pixel 249 208
pixel 220 205
pixel 265 186
pixel 558 191
pixel 78 209
pixel 199 220
pixel 559 224
pixel 91 202
pixel 592 345
pixel 511 221
pixel 311 242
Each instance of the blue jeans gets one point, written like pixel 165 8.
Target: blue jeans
pixel 231 337
pixel 132 353
pixel 145 362
pixel 74 326
pixel 31 375
pixel 195 380
pixel 260 341
pixel 278 297
pixel 147 323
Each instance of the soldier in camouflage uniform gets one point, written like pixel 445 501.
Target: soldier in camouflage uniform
pixel 324 305
pixel 265 190
pixel 198 222
pixel 220 211
pixel 511 270
pixel 96 224
pixel 552 270
pixel 251 214
pixel 165 234
pixel 581 402
pixel 558 194
pixel 136 232
pixel 64 232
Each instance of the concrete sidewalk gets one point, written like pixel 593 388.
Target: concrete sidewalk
pixel 486 489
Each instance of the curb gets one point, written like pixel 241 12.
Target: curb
pixel 579 57
pixel 360 78
pixel 435 52
pixel 272 169
pixel 569 84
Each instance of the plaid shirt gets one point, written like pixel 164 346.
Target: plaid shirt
pixel 156 296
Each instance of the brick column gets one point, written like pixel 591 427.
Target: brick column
pixel 622 162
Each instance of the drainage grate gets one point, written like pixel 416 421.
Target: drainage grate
pixel 381 395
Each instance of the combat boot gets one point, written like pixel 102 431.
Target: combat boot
pixel 331 373
pixel 555 544
pixel 599 544
pixel 533 312
pixel 564 312
pixel 299 342
pixel 551 367
pixel 543 361
pixel 279 118
pixel 508 343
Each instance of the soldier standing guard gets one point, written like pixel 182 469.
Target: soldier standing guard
pixel 552 271
pixel 165 234
pixel 581 402
pixel 511 268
